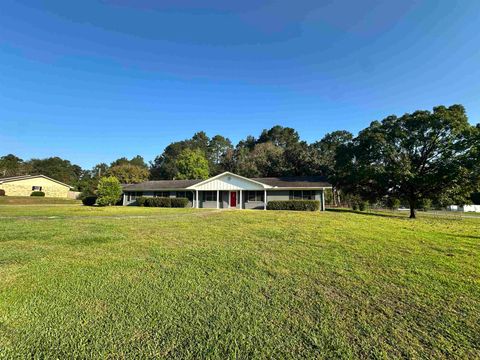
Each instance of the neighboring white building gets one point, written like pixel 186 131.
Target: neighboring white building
pixel 464 208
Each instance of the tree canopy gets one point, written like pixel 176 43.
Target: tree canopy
pixel 11 165
pixel 418 156
pixel 192 164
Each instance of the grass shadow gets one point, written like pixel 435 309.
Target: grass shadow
pixel 369 213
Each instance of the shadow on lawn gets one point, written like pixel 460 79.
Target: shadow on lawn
pixel 475 237
pixel 368 213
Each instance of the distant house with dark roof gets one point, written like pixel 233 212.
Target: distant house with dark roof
pixel 24 185
pixel 232 191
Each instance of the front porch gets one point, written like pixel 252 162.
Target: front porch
pixel 230 199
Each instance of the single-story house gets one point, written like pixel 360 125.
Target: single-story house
pixel 24 186
pixel 232 191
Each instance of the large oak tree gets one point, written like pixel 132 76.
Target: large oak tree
pixel 418 156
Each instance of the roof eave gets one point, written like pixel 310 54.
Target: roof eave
pixel 193 187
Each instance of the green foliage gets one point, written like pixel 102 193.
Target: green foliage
pixel 363 205
pixel 38 193
pixel 425 204
pixel 11 165
pixel 2 192
pixel 424 154
pixel 297 205
pixel 265 159
pixel 89 200
pixel 324 152
pixel 140 201
pixel 192 164
pixel 128 173
pixel 164 202
pixel 56 168
pixel 109 191
pixel 393 203
pixel 217 150
pixel 280 136
pixel 475 197
pixel 329 196
pixel 179 202
pixel 135 161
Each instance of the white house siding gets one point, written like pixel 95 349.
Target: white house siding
pixel 228 182
pixel 274 195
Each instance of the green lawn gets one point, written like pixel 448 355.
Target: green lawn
pixel 79 282
pixel 35 200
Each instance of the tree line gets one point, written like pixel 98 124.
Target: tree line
pixel 425 155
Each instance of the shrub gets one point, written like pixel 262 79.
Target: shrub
pixel 109 191
pixel 355 206
pixel 37 193
pixel 363 205
pixel 2 192
pixel 89 200
pixel 158 202
pixel 393 203
pixel 141 201
pixel 179 202
pixel 296 205
pixel 426 204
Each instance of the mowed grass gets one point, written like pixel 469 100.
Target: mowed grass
pixel 35 200
pixel 79 282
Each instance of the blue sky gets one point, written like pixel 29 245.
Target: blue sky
pixel 92 81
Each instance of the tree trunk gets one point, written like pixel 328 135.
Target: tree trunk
pixel 412 209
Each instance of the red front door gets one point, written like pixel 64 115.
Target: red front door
pixel 233 199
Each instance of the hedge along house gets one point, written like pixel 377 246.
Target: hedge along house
pixel 232 191
pixel 26 184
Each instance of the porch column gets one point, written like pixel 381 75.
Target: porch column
pixel 264 199
pixel 197 202
pixel 240 199
pixel 323 199
pixel 218 200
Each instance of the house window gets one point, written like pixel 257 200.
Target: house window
pixel 133 195
pixel 36 188
pixel 295 194
pixel 302 195
pixel 161 194
pixel 210 196
pixel 308 195
pixel 255 196
pixel 181 194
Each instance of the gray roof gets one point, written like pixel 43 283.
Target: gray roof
pixel 295 181
pixel 281 182
pixel 161 185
